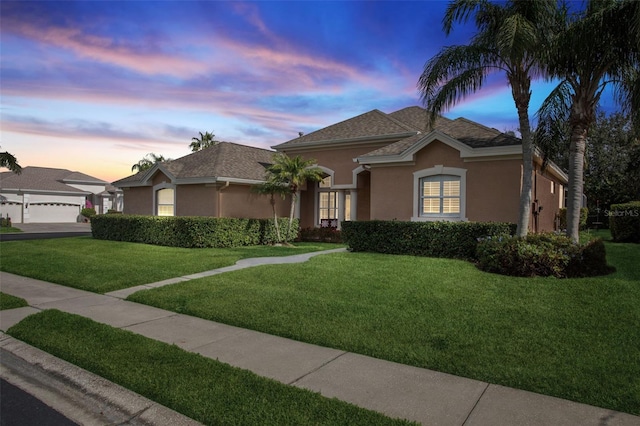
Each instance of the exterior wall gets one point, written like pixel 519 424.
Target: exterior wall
pixel 340 160
pixel 239 201
pixel 493 190
pixel 548 199
pixel 196 200
pixel 307 207
pixel 138 200
pixel 392 190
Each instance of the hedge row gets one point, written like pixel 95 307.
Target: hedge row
pixel 189 231
pixel 562 218
pixel 624 222
pixel 543 255
pixel 433 239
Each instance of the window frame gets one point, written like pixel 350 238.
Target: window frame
pixel 156 199
pixel 438 171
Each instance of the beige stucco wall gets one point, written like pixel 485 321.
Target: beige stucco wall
pixel 138 200
pixel 240 201
pixel 493 190
pixel 196 200
pixel 548 200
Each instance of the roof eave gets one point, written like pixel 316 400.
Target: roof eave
pixel 345 141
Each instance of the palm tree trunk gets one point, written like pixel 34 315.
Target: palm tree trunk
pixel 576 180
pixel 294 197
pixel 275 219
pixel 524 211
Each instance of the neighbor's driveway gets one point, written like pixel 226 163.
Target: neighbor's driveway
pixel 32 231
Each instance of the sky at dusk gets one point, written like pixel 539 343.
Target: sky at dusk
pixel 93 86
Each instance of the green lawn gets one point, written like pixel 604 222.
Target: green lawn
pixel 201 388
pixel 103 266
pixel 8 230
pixel 577 338
pixel 8 301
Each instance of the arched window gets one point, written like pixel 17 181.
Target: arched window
pixel 439 194
pixel 165 199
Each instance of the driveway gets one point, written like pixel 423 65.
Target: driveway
pixel 33 231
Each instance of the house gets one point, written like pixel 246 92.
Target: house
pixel 216 181
pixel 395 167
pixel 42 194
pixel 376 166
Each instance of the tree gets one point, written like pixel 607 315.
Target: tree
pixel 148 161
pixel 612 173
pixel 204 141
pixel 292 173
pixel 10 162
pixel 272 188
pixel 596 48
pixel 510 38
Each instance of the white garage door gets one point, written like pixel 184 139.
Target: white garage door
pixel 13 210
pixel 53 213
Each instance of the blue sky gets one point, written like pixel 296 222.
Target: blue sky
pixel 93 86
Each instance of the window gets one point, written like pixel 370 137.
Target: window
pixel 165 199
pixel 328 205
pixel 439 194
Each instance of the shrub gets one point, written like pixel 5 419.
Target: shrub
pixel 433 239
pixel 88 212
pixel 186 231
pixel 624 222
pixel 329 235
pixel 542 255
pixel 562 218
pixel 5 222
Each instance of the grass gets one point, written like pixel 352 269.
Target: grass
pixel 9 229
pixel 103 266
pixel 8 301
pixel 577 339
pixel 201 388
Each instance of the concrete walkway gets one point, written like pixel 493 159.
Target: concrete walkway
pixel 425 396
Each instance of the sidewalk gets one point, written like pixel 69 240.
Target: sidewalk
pixel 425 396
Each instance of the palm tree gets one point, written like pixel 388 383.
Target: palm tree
pixel 272 188
pixel 148 161
pixel 511 38
pixel 595 49
pixel 10 162
pixel 292 173
pixel 204 141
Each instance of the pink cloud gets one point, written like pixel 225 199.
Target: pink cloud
pixel 105 50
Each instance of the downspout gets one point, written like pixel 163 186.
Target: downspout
pixel 226 185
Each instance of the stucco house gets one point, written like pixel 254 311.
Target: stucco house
pixel 395 167
pixel 49 195
pixel 216 181
pixel 376 166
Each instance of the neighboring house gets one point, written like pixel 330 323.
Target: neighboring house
pixel 376 166
pixel 216 181
pixel 394 167
pixel 42 194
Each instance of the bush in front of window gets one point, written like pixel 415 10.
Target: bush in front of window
pixel 542 255
pixel 457 240
pixel 327 235
pixel 624 222
pixel 187 231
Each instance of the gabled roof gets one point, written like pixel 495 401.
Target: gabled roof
pixel 46 179
pixel 370 125
pixel 402 129
pixel 224 161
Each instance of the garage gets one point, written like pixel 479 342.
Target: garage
pixel 53 212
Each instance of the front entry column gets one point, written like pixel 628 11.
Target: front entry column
pixel 353 195
pixel 341 209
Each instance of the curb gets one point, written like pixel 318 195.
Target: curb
pixel 79 395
